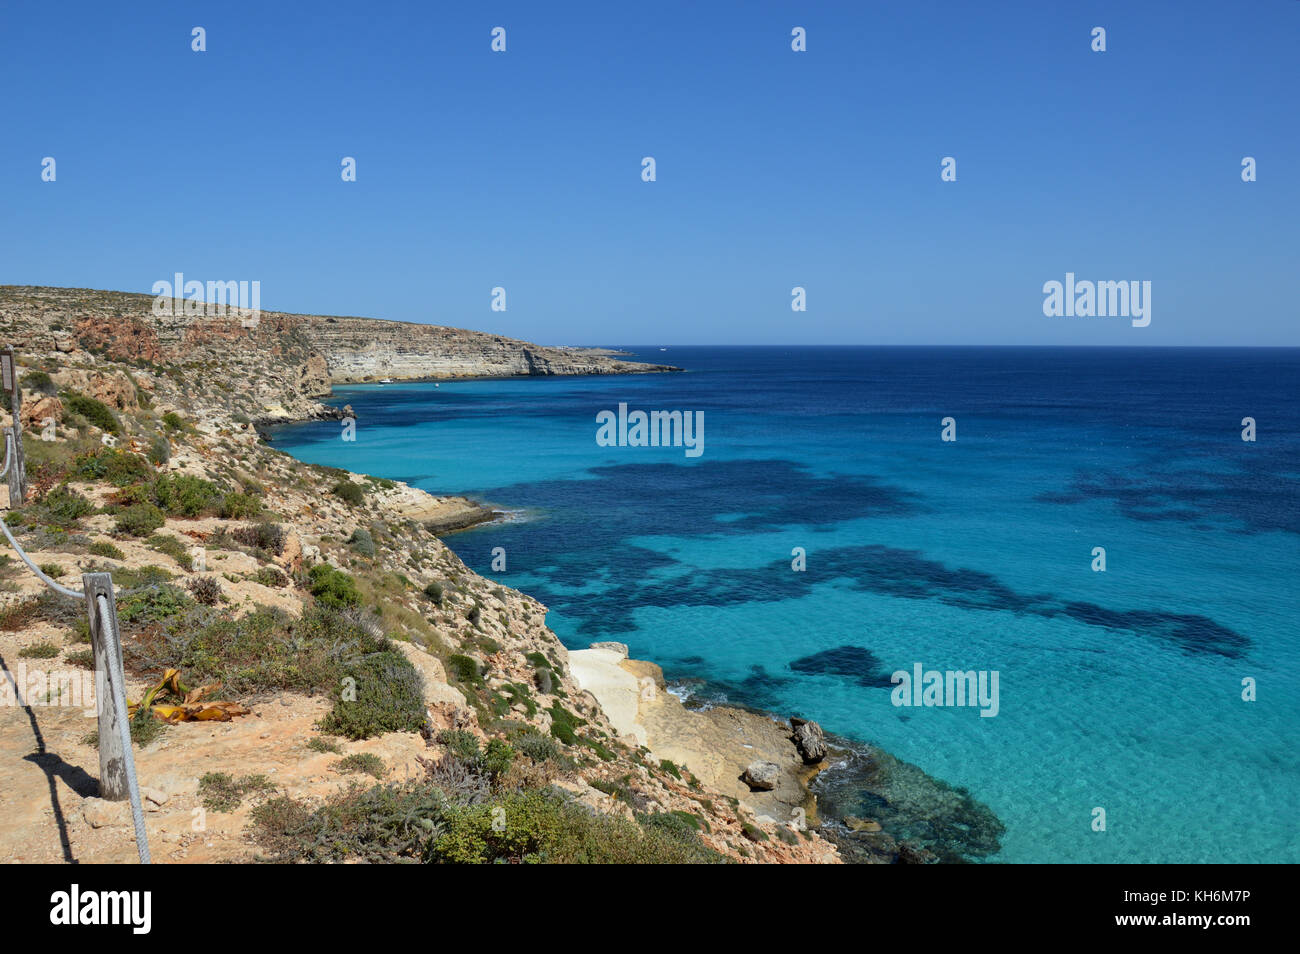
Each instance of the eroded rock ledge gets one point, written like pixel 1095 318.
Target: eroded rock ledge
pixel 279 368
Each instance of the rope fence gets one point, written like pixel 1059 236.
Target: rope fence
pixel 117 776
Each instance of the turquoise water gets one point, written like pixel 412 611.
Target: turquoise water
pixel 1119 690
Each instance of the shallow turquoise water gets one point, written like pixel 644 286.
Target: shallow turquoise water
pixel 1119 690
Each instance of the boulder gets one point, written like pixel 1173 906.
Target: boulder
pixel 36 413
pixel 762 776
pixel 103 814
pixel 810 740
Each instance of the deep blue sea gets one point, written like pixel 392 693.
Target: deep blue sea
pixel 1119 690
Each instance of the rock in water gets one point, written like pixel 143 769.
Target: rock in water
pixel 762 776
pixel 810 740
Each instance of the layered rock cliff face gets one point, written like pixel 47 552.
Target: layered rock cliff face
pixel 281 365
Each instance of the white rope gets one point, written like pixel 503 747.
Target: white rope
pixel 117 689
pixel 61 590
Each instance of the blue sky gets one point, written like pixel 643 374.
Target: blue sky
pixel 775 169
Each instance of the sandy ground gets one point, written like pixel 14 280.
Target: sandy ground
pixel 49 777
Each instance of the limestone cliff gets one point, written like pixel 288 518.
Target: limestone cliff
pixel 283 362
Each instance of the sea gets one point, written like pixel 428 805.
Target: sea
pixel 1086 525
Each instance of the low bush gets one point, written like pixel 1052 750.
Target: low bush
pixel 206 590
pixel 362 541
pixel 63 507
pixel 239 506
pixel 349 493
pixel 104 548
pixel 270 576
pixel 40 382
pixel 96 412
pixel 222 792
pixel 366 763
pixel 265 536
pixel 382 692
pixel 184 495
pixel 333 588
pixel 140 520
pixel 117 467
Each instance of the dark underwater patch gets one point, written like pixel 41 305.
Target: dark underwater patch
pixel 891 572
pixel 853 662
pixel 1257 494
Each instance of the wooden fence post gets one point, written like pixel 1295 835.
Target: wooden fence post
pixel 17 466
pixel 113 783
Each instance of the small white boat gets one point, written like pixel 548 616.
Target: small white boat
pixel 385 380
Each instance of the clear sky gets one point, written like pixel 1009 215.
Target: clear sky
pixel 775 168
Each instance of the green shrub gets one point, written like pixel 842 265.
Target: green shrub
pixel 366 763
pixel 533 745
pixel 492 760
pixel 332 587
pixel 317 744
pixel 118 467
pixel 155 604
pixel 52 570
pixel 160 451
pixel 362 542
pixel 184 495
pixel 563 724
pixel 270 576
pixel 173 421
pixel 240 506
pixel 349 493
pixel 389 696
pixel 174 547
pixel 261 651
pixel 386 823
pixel 63 507
pixel 40 382
pixel 103 548
pixel 39 651
pixel 464 669
pixel 96 412
pixel 434 592
pixel 418 821
pixel 532 823
pixel 461 744
pixel 140 520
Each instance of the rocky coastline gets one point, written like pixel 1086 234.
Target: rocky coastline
pixel 759 789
